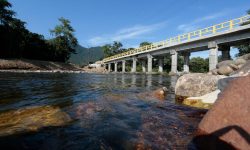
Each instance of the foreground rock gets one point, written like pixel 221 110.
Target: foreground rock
pixel 31 119
pixel 226 125
pixel 196 84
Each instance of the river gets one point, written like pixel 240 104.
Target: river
pixel 92 111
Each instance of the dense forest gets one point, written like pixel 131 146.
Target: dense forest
pixel 18 42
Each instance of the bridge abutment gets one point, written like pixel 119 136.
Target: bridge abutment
pixel 174 56
pixel 160 63
pixel 124 66
pixel 115 67
pixel 109 67
pixel 133 69
pixel 225 51
pixel 143 63
pixel 150 63
pixel 213 55
pixel 186 62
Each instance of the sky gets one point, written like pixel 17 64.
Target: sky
pixel 99 22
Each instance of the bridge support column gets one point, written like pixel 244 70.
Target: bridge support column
pixel 115 66
pixel 124 66
pixel 225 50
pixel 143 63
pixel 160 65
pixel 133 69
pixel 109 67
pixel 186 62
pixel 213 55
pixel 150 63
pixel 174 55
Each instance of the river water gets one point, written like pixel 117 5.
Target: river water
pixel 92 111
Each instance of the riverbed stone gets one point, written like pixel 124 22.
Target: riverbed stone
pixel 196 84
pixel 226 125
pixel 240 61
pixel 225 70
pixel 31 119
pixel 224 63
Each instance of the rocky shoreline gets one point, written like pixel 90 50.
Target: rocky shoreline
pixel 36 66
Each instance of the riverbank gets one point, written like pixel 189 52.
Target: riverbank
pixel 37 66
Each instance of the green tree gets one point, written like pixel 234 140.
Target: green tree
pixel 6 15
pixel 115 48
pixel 198 64
pixel 145 44
pixel 245 48
pixel 64 41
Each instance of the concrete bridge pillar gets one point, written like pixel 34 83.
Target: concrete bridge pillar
pixel 213 55
pixel 124 66
pixel 150 62
pixel 143 63
pixel 186 62
pixel 225 50
pixel 109 67
pixel 115 66
pixel 174 55
pixel 133 69
pixel 161 60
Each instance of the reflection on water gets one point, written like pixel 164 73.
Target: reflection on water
pixel 113 111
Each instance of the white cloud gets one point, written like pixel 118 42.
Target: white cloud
pixel 126 34
pixel 195 24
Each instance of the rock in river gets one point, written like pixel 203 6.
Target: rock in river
pixel 226 125
pixel 196 84
pixel 31 119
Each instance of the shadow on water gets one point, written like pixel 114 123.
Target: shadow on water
pixel 212 141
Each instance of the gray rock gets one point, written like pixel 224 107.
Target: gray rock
pixel 223 83
pixel 240 61
pixel 224 63
pixel 196 84
pixel 225 70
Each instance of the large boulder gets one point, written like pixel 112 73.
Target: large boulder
pixel 196 84
pixel 227 124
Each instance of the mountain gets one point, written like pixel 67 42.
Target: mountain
pixel 85 55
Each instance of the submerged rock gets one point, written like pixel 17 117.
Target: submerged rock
pixel 31 119
pixel 226 125
pixel 159 94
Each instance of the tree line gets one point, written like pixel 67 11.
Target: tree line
pixel 18 42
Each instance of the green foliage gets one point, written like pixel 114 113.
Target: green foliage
pixel 64 41
pixel 18 42
pixel 6 15
pixel 145 44
pixel 198 64
pixel 244 48
pixel 115 48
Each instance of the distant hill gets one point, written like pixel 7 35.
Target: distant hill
pixel 85 55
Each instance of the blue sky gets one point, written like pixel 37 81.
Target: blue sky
pixel 98 22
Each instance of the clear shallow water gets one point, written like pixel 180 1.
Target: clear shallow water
pixel 113 111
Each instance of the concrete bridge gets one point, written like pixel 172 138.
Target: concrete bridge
pixel 219 37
